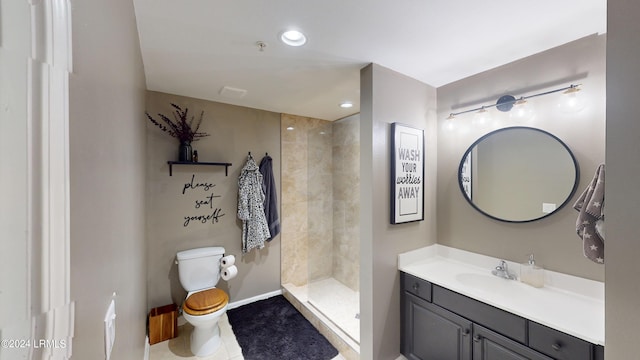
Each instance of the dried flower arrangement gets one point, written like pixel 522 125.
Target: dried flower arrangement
pixel 180 128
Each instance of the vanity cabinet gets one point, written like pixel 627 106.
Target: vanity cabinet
pixel 438 323
pixel 489 345
pixel 431 332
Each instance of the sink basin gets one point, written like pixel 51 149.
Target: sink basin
pixel 484 282
pixel 492 285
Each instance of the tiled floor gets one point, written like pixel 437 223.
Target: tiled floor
pixel 179 348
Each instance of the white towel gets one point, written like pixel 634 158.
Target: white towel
pixel 590 222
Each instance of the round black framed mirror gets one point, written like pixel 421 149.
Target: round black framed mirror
pixel 518 174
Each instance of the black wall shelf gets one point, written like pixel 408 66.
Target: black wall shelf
pixel 171 163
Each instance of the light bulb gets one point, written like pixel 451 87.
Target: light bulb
pixel 449 123
pixel 522 111
pixel 572 101
pixel 481 118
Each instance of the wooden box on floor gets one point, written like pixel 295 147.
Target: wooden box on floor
pixel 163 323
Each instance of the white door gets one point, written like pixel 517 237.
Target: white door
pixel 36 315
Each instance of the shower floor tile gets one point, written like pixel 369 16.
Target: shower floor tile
pixel 337 302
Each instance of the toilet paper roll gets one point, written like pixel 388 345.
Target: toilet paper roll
pixel 229 273
pixel 227 261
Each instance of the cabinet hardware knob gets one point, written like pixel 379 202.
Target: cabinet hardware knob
pixel 556 347
pixel 477 338
pixel 466 332
pixel 416 286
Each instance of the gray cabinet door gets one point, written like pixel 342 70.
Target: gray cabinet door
pixel 488 345
pixel 430 332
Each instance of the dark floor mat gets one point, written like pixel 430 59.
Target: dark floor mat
pixel 274 329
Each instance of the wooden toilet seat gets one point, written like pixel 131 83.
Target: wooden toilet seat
pixel 205 302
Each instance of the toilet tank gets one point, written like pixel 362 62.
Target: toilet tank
pixel 199 268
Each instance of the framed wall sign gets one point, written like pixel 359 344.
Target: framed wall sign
pixel 407 174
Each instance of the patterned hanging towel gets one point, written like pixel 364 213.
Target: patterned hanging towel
pixel 255 230
pixel 590 222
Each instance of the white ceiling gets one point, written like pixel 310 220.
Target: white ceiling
pixel 196 47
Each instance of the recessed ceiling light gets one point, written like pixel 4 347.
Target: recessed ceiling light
pixel 293 38
pixel 346 105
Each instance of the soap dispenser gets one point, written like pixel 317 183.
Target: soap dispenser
pixel 532 274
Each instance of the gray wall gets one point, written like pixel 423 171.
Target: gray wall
pixel 234 131
pixel 623 170
pixel 107 156
pixel 387 97
pixel 553 240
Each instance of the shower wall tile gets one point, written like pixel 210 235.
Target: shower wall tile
pixel 294 238
pixel 306 216
pixel 346 197
pixel 294 234
pixel 294 271
pixel 320 169
pixel 320 239
pixel 294 179
pixel 320 200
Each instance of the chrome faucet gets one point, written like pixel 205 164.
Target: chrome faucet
pixel 502 271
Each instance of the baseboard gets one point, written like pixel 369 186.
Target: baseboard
pixel 264 296
pixel 147 348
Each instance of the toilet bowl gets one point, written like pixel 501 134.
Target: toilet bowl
pixel 199 272
pixel 203 310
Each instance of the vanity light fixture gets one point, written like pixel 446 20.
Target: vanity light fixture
pixel 507 102
pixel 521 102
pixel 574 102
pixel 521 111
pixel 449 124
pixel 293 38
pixel 481 118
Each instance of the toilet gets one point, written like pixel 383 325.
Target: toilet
pixel 199 272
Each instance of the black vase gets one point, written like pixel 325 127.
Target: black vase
pixel 184 153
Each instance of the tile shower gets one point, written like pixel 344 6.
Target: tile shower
pixel 320 223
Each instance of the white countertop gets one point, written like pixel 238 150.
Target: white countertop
pixel 566 303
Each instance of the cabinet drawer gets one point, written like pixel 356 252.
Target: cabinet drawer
pixel 506 323
pixel 416 286
pixel 558 345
